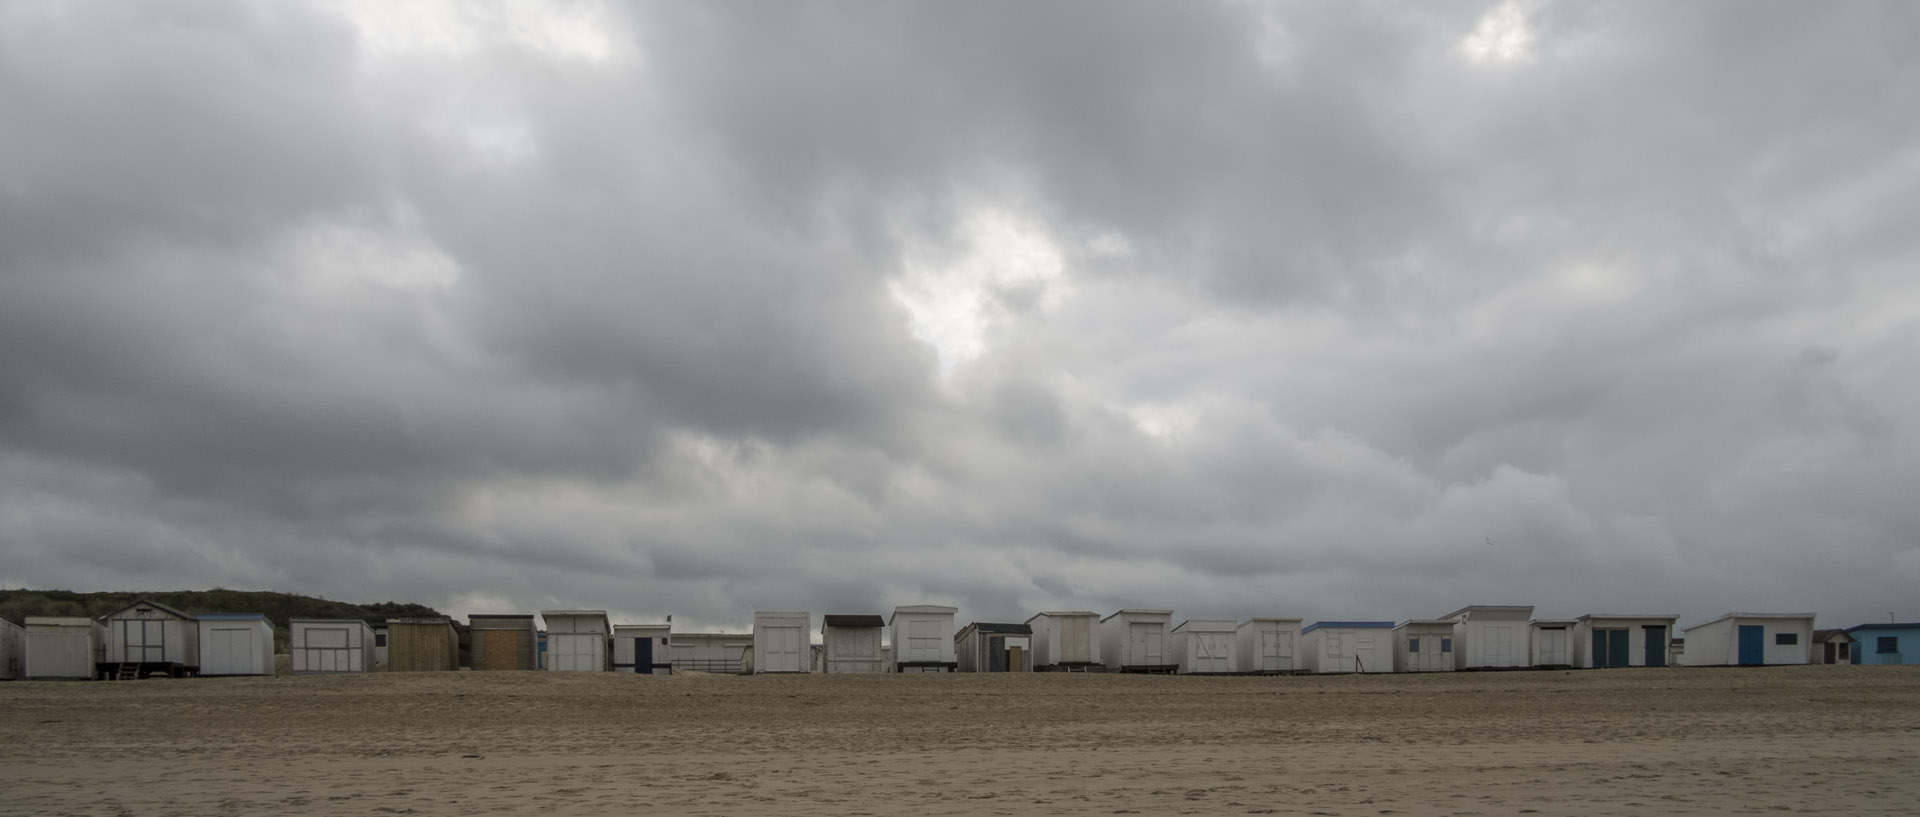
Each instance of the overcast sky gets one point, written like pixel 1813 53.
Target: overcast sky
pixel 1339 311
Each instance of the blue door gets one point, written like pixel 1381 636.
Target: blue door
pixel 997 654
pixel 1753 641
pixel 643 656
pixel 1656 646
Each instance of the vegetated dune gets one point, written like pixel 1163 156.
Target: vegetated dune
pixel 1662 741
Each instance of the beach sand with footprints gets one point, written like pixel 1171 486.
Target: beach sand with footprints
pixel 1807 740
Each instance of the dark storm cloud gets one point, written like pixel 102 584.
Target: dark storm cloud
pixel 1237 309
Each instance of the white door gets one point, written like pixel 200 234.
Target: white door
pixel 1499 647
pixel 143 640
pixel 1143 642
pixel 1210 652
pixel 229 652
pixel 1553 647
pixel 1360 656
pixel 574 651
pixel 1276 650
pixel 923 640
pixel 1076 641
pixel 783 649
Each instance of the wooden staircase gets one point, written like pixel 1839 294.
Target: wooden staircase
pixel 129 671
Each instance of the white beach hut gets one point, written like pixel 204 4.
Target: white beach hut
pixel 577 640
pixel 1066 640
pixel 235 644
pixel 63 648
pixel 643 649
pixel 148 637
pixel 13 646
pixel 780 642
pixel 711 652
pixel 923 638
pixel 1751 640
pixel 1551 642
pixel 984 646
pixel 1136 641
pixel 1487 636
pixel 1267 645
pixel 318 646
pixel 1602 640
pixel 1204 647
pixel 851 643
pixel 1423 645
pixel 1831 647
pixel 1348 646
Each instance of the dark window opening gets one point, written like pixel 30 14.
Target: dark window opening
pixel 1786 639
pixel 1887 644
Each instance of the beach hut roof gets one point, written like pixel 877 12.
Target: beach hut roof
pixel 1139 612
pixel 854 621
pixel 1358 625
pixel 137 603
pixel 1001 628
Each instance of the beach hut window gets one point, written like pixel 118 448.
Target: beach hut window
pixel 1886 644
pixel 1413 645
pixel 1786 639
pixel 1446 645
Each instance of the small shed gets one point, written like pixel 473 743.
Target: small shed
pixel 422 644
pixel 1204 647
pixel 1136 641
pixel 502 641
pixel 148 637
pixel 711 652
pixel 1066 640
pixel 851 643
pixel 643 649
pixel 1488 636
pixel 1551 642
pixel 235 644
pixel 1751 640
pixel 317 646
pixel 1890 643
pixel 1423 645
pixel 984 646
pixel 1267 646
pixel 63 648
pixel 1348 646
pixel 13 647
pixel 1832 647
pixel 577 640
pixel 1604 640
pixel 780 642
pixel 923 638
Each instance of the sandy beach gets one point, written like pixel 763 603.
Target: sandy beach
pixel 1809 740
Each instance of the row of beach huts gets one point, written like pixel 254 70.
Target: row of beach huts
pixel 147 638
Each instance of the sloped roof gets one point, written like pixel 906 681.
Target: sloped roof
pixel 853 621
pixel 155 605
pixel 999 628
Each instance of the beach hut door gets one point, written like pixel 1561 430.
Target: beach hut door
pixel 1144 638
pixel 143 640
pixel 1553 647
pixel 1753 638
pixel 643 656
pixel 1076 641
pixel 1656 646
pixel 233 649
